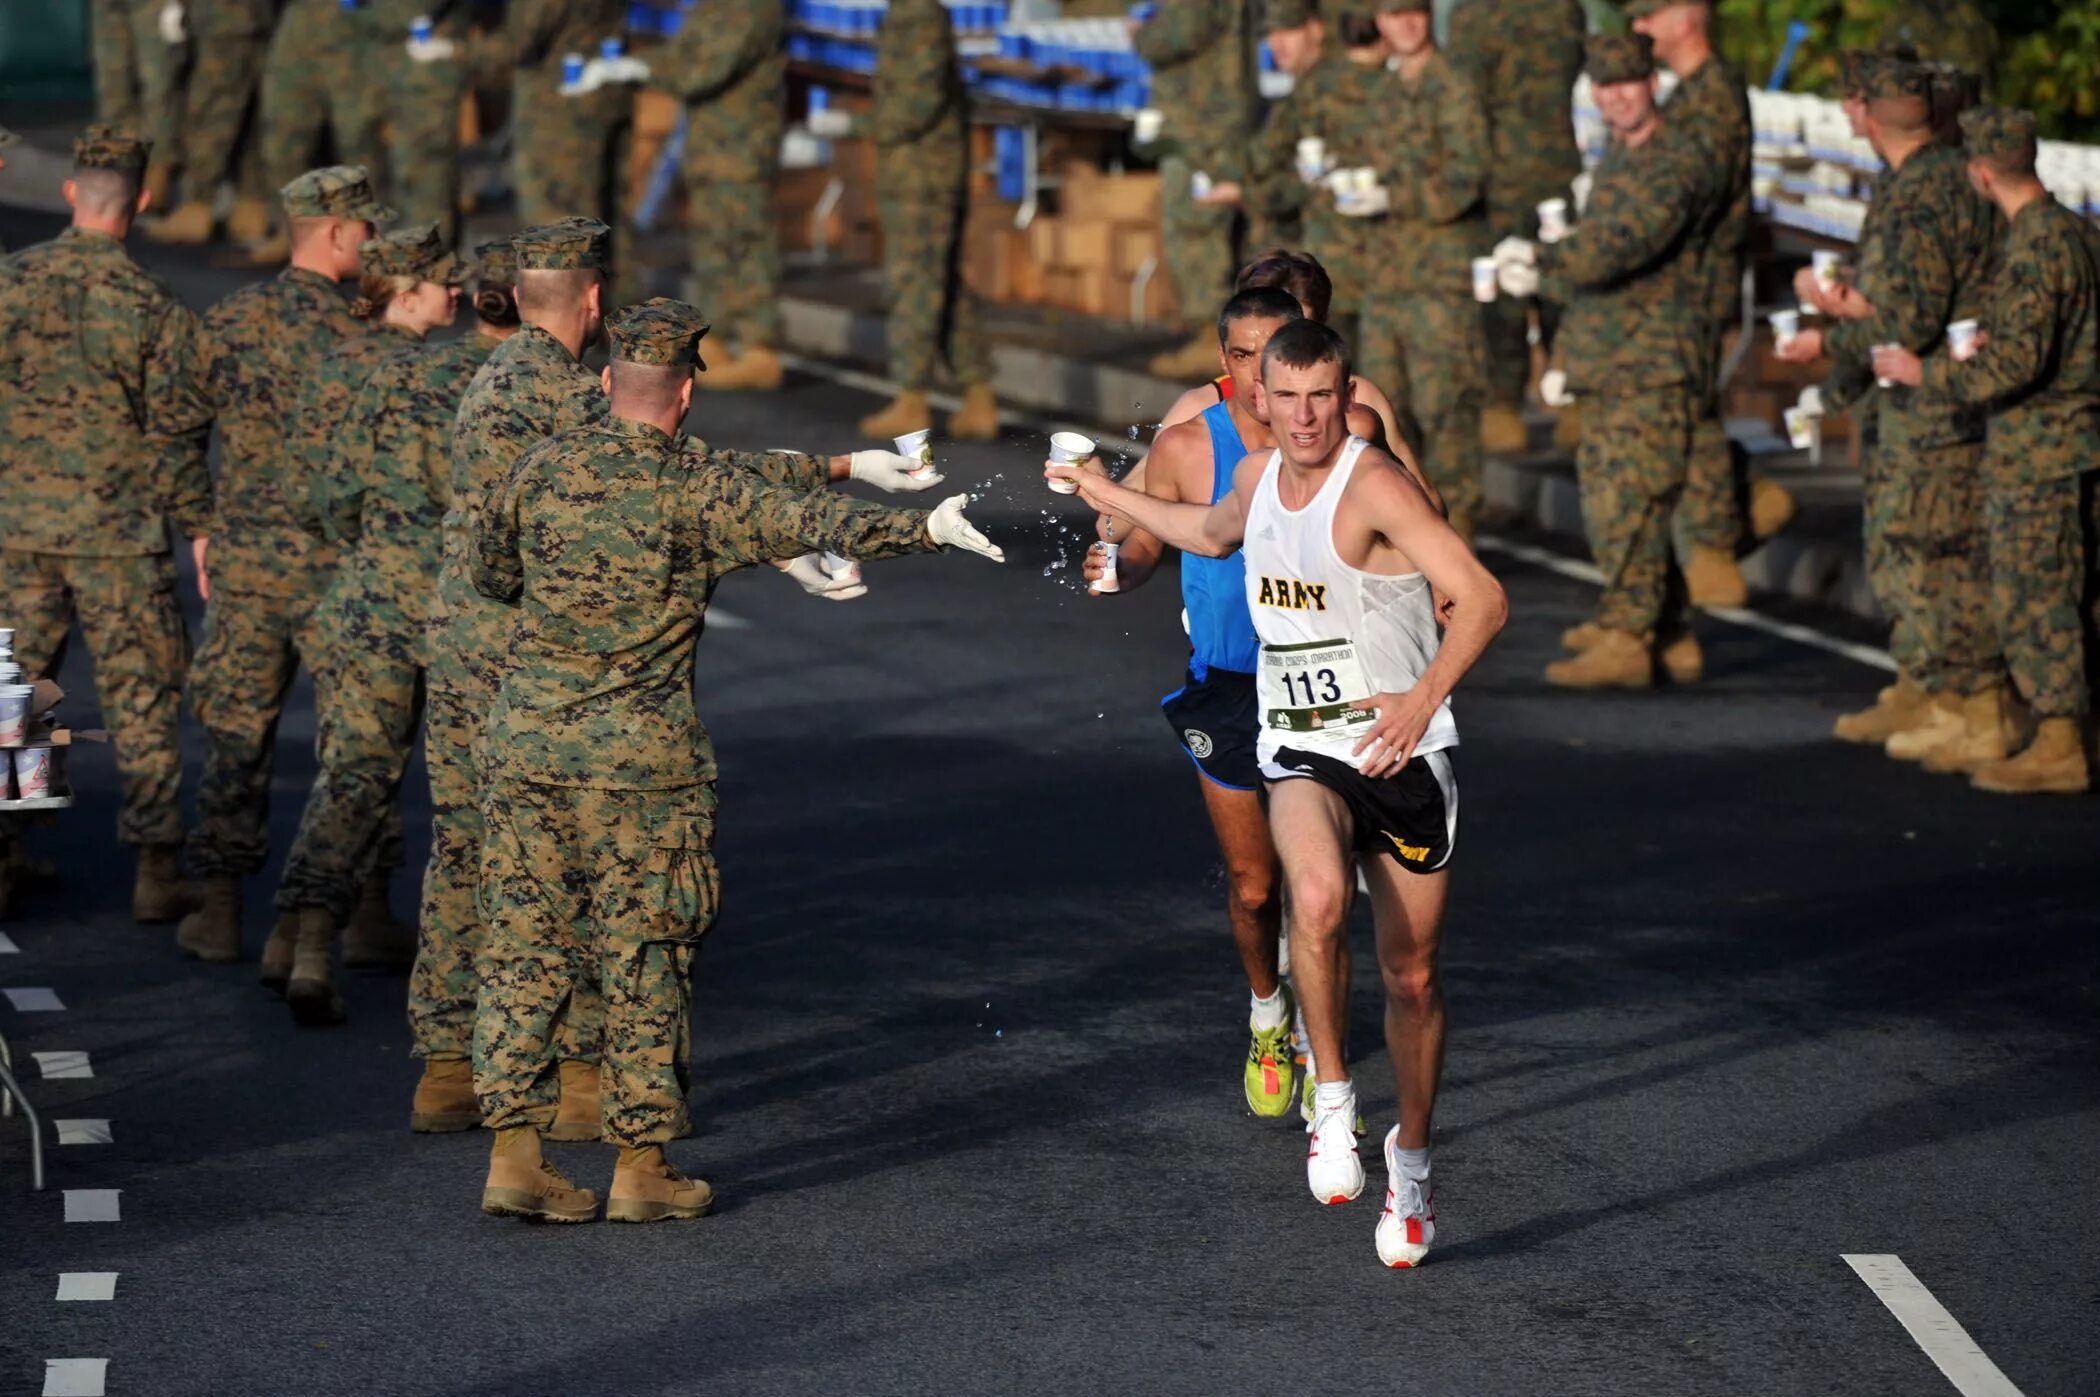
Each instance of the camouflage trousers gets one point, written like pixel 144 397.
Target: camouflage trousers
pixel 1200 243
pixel 1425 350
pixel 1505 322
pixel 576 880
pixel 367 702
pixel 2041 538
pixel 1710 514
pixel 138 78
pixel 313 90
pixel 423 139
pixel 569 158
pixel 734 250
pixel 135 633
pixel 219 115
pixel 932 311
pixel 1926 504
pixel 1631 468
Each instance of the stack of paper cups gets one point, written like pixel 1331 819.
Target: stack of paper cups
pixel 1066 448
pixel 1885 382
pixel 32 772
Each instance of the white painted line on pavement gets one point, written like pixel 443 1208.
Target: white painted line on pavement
pixel 75 1377
pixel 92 1205
pixel 87 1285
pixel 1945 1342
pixel 719 619
pixel 82 1132
pixel 61 1065
pixel 1734 615
pixel 34 1001
pixel 8 946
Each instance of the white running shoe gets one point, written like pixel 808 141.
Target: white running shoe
pixel 1333 1170
pixel 1408 1224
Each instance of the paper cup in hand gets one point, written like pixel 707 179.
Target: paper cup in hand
pixel 1067 448
pixel 1785 325
pixel 1199 186
pixel 1484 279
pixel 1961 340
pixel 1880 382
pixel 918 446
pixel 842 570
pixel 1826 265
pixel 1553 219
pixel 1147 125
pixel 1800 428
pixel 1107 581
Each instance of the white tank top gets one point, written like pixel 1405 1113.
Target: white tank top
pixel 1331 635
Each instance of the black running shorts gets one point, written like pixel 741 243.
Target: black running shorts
pixel 1214 717
pixel 1413 815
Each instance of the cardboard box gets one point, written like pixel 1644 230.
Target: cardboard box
pixel 1086 245
pixel 1134 243
pixel 1087 195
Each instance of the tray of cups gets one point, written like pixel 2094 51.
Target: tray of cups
pixel 34 779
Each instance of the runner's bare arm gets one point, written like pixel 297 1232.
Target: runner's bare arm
pixel 1210 531
pixel 1177 450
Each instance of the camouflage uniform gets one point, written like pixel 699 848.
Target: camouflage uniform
pixel 422 107
pixel 1523 56
pixel 258 347
pixel 601 802
pixel 231 39
pixel 1282 209
pixel 529 389
pixel 1204 83
pixel 376 494
pixel 732 73
pixel 1926 258
pixel 568 154
pixel 1947 31
pixel 305 96
pixel 1421 339
pixel 107 429
pixel 2039 376
pixel 138 76
pixel 1633 343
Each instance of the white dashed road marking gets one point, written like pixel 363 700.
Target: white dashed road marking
pixel 87 1285
pixel 35 1001
pixel 82 1132
pixel 1938 1333
pixel 8 946
pixel 92 1204
pixel 58 1066
pixel 75 1377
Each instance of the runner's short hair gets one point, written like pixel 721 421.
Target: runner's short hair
pixel 1261 303
pixel 1304 344
pixel 1299 273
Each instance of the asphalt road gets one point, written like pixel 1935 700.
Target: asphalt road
pixel 1728 1000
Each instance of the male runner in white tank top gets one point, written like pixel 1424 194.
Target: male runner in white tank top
pixel 1342 551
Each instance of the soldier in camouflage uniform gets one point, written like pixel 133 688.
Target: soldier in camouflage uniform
pixel 229 40
pixel 1421 337
pixel 389 399
pixel 1204 82
pixel 2038 374
pixel 1927 254
pixel 1523 57
pixel 424 84
pixel 1632 347
pixel 1282 209
pixel 600 803
pixel 138 83
pixel 921 128
pixel 107 428
pixel 305 99
pixel 568 151
pixel 256 349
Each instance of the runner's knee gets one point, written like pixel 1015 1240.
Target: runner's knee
pixel 1410 981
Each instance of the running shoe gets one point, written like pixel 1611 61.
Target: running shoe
pixel 1333 1171
pixel 1408 1224
pixel 1308 1098
pixel 1269 1067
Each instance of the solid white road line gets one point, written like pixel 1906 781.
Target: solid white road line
pixel 34 1001
pixel 82 1132
pixel 56 1066
pixel 87 1285
pixel 93 1205
pixel 8 946
pixel 1945 1342
pixel 718 619
pixel 1734 615
pixel 75 1377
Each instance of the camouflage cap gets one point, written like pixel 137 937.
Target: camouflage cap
pixel 1896 77
pixel 1997 131
pixel 335 191
pixel 658 331
pixel 103 147
pixel 1401 7
pixel 1288 14
pixel 496 265
pixel 1952 87
pixel 1639 9
pixel 1611 58
pixel 569 245
pixel 418 252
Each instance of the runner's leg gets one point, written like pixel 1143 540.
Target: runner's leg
pixel 1252 896
pixel 1312 829
pixel 1408 911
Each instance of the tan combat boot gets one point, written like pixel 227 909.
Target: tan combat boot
pixel 1714 578
pixel 1619 660
pixel 161 893
pixel 2053 763
pixel 374 939
pixel 311 990
pixel 1893 709
pixel 248 220
pixel 757 370
pixel 978 417
pixel 645 1188
pixel 445 1098
pixel 1986 735
pixel 1938 721
pixel 1582 637
pixel 907 414
pixel 187 224
pixel 1196 359
pixel 1567 427
pixel 213 931
pixel 522 1184
pixel 1683 660
pixel 1771 508
pixel 275 970
pixel 1502 431
pixel 580 1116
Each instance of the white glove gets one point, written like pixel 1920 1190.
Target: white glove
pixel 1517 278
pixel 631 69
pixel 1364 203
pixel 1553 389
pixel 886 470
pixel 173 30
pixel 1579 188
pixel 947 527
pixel 1811 401
pixel 606 72
pixel 830 123
pixel 1515 252
pixel 808 570
pixel 433 50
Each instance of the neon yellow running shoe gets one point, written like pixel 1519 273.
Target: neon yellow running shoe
pixel 1269 1079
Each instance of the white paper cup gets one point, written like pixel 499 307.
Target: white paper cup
pixel 7 639
pixel 1066 448
pixel 1484 289
pixel 32 772
pixel 1108 582
pixel 1961 339
pixel 1312 151
pixel 14 713
pixel 1553 218
pixel 1785 325
pixel 841 569
pixel 919 447
pixel 1800 428
pixel 1147 125
pixel 10 672
pixel 1826 264
pixel 1884 382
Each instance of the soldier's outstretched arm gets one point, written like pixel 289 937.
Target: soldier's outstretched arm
pixel 178 421
pixel 749 522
